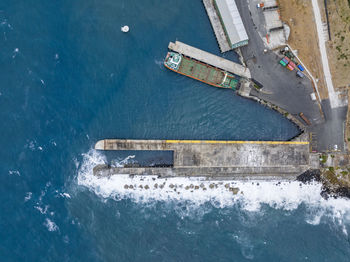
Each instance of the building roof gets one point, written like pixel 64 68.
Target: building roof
pixel 232 21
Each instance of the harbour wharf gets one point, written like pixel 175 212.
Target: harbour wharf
pixel 217 26
pixel 210 59
pixel 217 159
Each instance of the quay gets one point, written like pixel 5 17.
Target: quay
pixel 217 26
pixel 282 160
pixel 210 59
pixel 227 23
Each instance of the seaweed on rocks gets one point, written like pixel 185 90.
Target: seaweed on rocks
pixel 328 189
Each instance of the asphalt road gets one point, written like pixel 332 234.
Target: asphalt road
pixel 281 86
pixel 284 89
pixel 329 135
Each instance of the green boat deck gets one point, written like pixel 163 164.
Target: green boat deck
pixel 206 73
pixel 201 71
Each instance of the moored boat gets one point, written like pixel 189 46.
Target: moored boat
pixel 200 71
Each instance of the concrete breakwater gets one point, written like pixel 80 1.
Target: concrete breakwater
pixel 264 160
pixel 239 160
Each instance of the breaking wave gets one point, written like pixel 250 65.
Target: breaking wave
pixel 250 196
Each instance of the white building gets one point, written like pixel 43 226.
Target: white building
pixel 232 22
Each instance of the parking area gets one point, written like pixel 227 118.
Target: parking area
pixel 280 86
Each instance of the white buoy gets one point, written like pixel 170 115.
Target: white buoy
pixel 125 29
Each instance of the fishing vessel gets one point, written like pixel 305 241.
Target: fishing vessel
pixel 200 71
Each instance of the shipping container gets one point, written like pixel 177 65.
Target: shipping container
pixel 290 67
pixel 283 63
pixel 289 54
pixel 292 64
pixel 285 60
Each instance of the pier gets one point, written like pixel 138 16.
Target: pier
pixel 217 159
pixel 210 59
pixel 217 26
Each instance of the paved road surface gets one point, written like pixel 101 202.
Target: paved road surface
pixel 282 87
pixel 287 91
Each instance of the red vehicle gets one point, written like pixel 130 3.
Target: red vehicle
pixel 307 121
pixel 290 67
pixel 292 64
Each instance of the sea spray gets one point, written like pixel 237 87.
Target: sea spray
pixel 249 196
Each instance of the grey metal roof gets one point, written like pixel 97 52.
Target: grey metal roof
pixel 232 20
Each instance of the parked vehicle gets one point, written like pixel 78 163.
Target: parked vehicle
pixel 301 68
pixel 300 74
pixel 292 64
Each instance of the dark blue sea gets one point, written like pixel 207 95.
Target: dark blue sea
pixel 69 77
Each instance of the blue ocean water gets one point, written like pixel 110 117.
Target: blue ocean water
pixel 70 77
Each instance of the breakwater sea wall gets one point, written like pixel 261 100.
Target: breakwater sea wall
pixel 265 160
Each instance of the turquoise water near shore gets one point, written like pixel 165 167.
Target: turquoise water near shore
pixel 70 77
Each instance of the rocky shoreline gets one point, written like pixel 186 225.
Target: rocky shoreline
pixel 329 189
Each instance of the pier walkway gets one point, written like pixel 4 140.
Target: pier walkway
pixel 224 159
pixel 210 59
pixel 217 26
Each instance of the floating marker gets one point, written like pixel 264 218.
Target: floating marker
pixel 125 29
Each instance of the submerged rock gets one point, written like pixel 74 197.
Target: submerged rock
pixel 234 190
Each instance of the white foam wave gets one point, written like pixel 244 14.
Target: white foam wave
pixel 42 210
pixel 65 195
pixel 50 225
pixel 159 62
pixel 15 52
pixel 14 172
pixel 33 146
pixel 28 196
pixel 251 195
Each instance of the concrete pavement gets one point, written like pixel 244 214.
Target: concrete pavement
pixel 281 86
pixel 284 89
pixel 250 159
